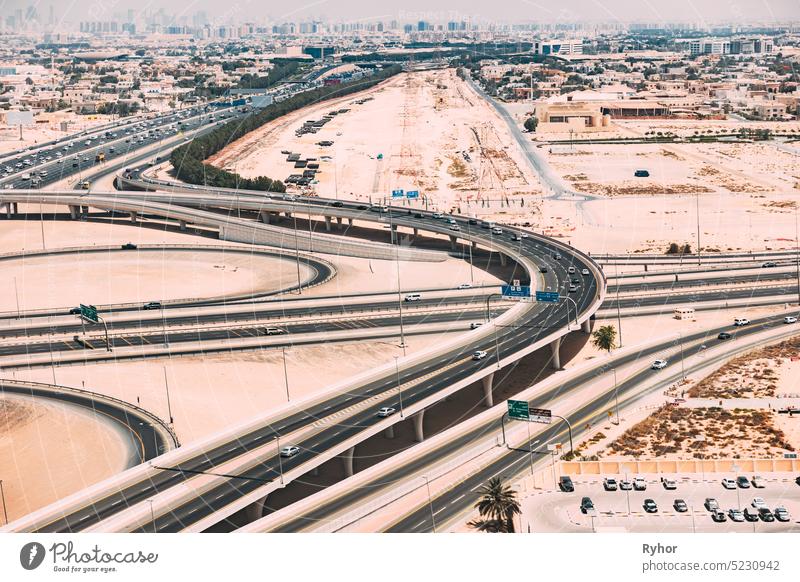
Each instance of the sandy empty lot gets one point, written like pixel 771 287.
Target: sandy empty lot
pixel 421 131
pixel 136 276
pixel 50 450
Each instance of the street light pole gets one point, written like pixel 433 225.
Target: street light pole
pixel 296 252
pixel 3 496
pixel 797 253
pixel 430 502
pixel 399 298
pixel 169 406
pixel 285 374
pixel 152 515
pixel 619 317
pixel 280 462
pixel 399 390
pixel 616 394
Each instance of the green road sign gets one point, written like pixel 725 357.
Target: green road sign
pixel 89 313
pixel 518 409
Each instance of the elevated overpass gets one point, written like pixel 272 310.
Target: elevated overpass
pixel 198 485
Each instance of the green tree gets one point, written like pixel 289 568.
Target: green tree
pixel 605 338
pixel 531 123
pixel 497 507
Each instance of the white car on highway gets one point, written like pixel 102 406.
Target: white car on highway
pixel 386 411
pixel 659 365
pixel 740 321
pixel 475 324
pixel 479 355
pixel 790 319
pixel 585 272
pixel 290 451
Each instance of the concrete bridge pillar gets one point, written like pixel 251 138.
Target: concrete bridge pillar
pixel 349 222
pixel 328 223
pixel 488 401
pixel 586 326
pixel 348 462
pixel 419 434
pixel 416 232
pixel 555 361
pixel 264 216
pixel 287 214
pixel 474 244
pixel 339 222
pixel 133 217
pixel 73 212
pixel 183 225
pixel 389 432
pixel 16 207
pixel 453 241
pixel 503 260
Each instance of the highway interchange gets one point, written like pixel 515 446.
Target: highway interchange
pixel 324 432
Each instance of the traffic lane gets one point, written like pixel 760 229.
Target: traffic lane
pixel 595 410
pixel 556 511
pixel 706 281
pixel 267 314
pixel 220 496
pixel 347 399
pixel 204 462
pixel 148 440
pixel 701 297
pixel 541 401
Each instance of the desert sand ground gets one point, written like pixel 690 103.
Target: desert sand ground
pixel 49 450
pixel 421 131
pixel 134 276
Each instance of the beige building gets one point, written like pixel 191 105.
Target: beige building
pixel 570 116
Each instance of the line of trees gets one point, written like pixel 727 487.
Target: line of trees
pixel 188 160
pixel 277 74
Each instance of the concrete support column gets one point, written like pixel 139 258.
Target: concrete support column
pixel 339 222
pixel 133 217
pixel 328 223
pixel 73 212
pixel 419 434
pixel 488 401
pixel 453 241
pixel 586 326
pixel 349 222
pixel 503 260
pixel 183 225
pixel 287 214
pixel 555 361
pixel 264 216
pixel 416 232
pixel 474 244
pixel 389 432
pixel 16 207
pixel 348 462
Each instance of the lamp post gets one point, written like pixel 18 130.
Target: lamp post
pixel 3 496
pixel 399 298
pixel 285 374
pixel 616 394
pixel 399 390
pixel 169 406
pixel 152 515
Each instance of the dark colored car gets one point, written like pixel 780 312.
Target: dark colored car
pixel 719 516
pixel 75 311
pixel 724 335
pixel 587 505
pixel 765 514
pixel 650 506
pixel 337 204
pixel 473 221
pixel 641 174
pixel 129 247
pixel 743 482
pixel 565 484
pixel 152 305
pixel 680 506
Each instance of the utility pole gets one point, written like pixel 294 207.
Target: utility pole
pixel 285 374
pixel 3 496
pixel 399 390
pixel 697 212
pixel 797 252
pixel 16 293
pixel 430 502
pixel 169 406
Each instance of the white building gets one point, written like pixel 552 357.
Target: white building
pixel 566 47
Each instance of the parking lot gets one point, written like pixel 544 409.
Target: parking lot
pixel 557 511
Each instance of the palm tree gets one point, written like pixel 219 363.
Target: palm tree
pixel 497 506
pixel 604 338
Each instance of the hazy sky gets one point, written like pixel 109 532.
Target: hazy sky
pixel 434 10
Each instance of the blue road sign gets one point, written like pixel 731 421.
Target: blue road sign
pixel 516 291
pixel 412 194
pixel 397 193
pixel 547 296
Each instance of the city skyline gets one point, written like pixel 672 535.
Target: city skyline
pixel 508 11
